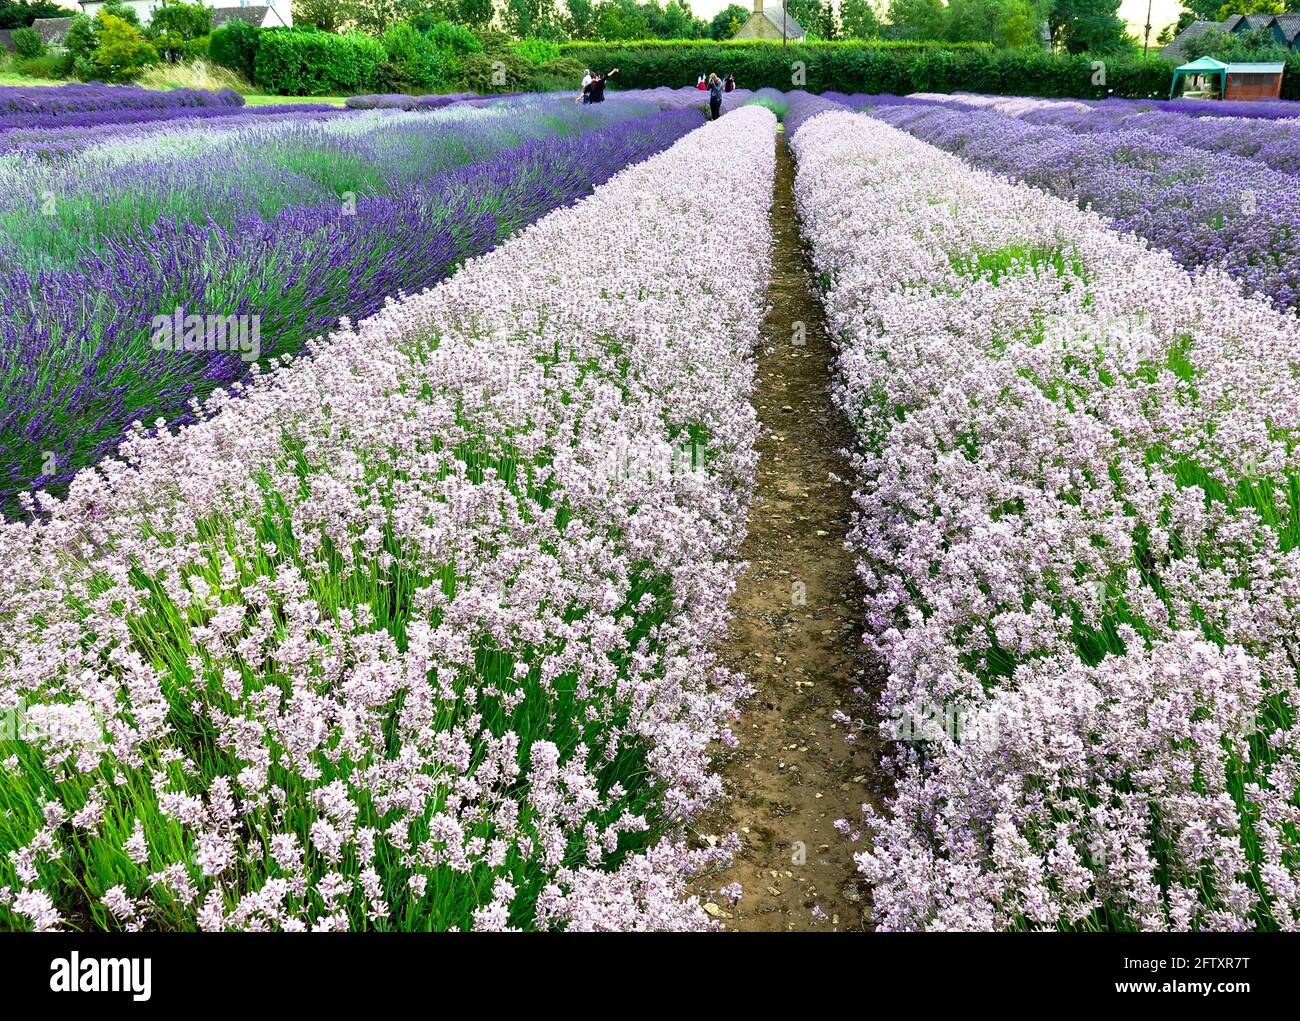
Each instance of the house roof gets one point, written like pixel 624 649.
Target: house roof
pixel 1174 50
pixel 225 15
pixel 792 28
pixel 1290 26
pixel 52 30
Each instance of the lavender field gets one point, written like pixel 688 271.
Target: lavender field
pixel 452 513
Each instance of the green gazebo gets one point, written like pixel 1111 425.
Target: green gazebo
pixel 1205 65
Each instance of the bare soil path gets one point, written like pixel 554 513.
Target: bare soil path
pixel 795 632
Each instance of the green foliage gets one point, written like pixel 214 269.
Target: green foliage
pixel 27 42
pixel 235 47
pixel 898 67
pixel 858 19
pixel 80 40
pixel 119 10
pixel 565 67
pixel 536 51
pixel 727 21
pixel 1090 26
pixel 419 60
pixel 292 62
pixel 500 71
pixel 327 15
pixel 1249 7
pixel 122 52
pixel 563 74
pixel 22 14
pixel 452 38
pixel 1256 44
pixel 51 64
pixel 175 26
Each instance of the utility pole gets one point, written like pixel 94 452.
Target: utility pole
pixel 784 16
pixel 1146 39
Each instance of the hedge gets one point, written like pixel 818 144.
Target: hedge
pixel 875 68
pixel 291 62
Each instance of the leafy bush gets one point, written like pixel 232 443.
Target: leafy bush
pixel 50 64
pixel 877 67
pixel 176 25
pixel 415 56
pixel 291 62
pixel 495 72
pixel 27 42
pixel 565 67
pixel 80 40
pixel 452 38
pixel 560 75
pixel 187 20
pixel 536 51
pixel 119 10
pixel 235 47
pixel 123 53
pixel 196 49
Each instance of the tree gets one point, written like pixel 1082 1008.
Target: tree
pixel 80 42
pixel 122 52
pixel 175 25
pixel 677 22
pixel 621 19
pixel 918 19
pixel 858 19
pixel 1089 26
pixel 1258 44
pixel 581 19
pixel 22 14
pixel 1249 7
pixel 327 15
pixel 374 16
pixel 726 23
pixel 476 14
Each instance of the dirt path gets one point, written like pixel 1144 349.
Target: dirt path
pixel 795 632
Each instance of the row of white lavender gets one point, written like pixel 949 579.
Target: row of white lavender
pixel 415 632
pixel 1077 494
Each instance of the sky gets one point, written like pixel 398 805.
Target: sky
pixel 1163 12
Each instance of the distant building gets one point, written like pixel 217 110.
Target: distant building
pixel 273 13
pixel 764 24
pixel 1284 28
pixel 51 31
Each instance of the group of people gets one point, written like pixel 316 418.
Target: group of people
pixel 716 87
pixel 593 86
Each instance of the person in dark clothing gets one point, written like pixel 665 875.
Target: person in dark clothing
pixel 730 83
pixel 715 96
pixel 598 86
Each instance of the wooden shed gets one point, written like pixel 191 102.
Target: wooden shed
pixel 1214 79
pixel 1254 81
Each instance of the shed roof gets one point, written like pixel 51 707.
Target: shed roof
pixel 1271 68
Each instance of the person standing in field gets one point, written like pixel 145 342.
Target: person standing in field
pixel 586 86
pixel 598 86
pixel 715 96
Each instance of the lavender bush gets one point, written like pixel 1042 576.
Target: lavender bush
pixel 1230 212
pixel 356 211
pixel 1078 485
pixel 412 633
